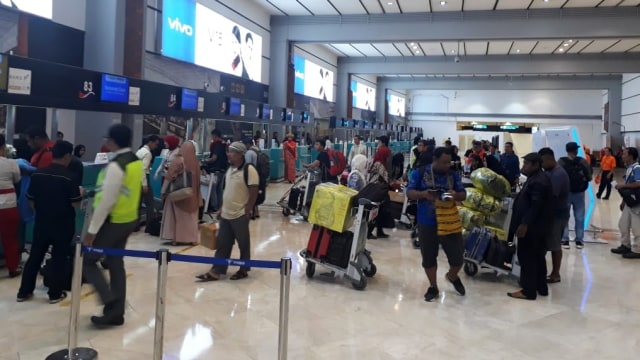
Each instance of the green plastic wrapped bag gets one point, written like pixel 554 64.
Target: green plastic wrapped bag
pixel 484 203
pixel 490 183
pixel 470 218
pixel 500 234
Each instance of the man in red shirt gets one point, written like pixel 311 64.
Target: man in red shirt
pixel 39 142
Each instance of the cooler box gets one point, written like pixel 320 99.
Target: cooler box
pixel 331 207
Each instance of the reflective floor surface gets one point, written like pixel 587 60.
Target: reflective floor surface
pixel 592 314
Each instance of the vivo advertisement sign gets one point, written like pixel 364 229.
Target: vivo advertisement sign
pixel 396 105
pixel 364 97
pixel 312 80
pixel 194 33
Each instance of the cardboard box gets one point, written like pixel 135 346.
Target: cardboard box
pixel 396 196
pixel 209 236
pixel 331 207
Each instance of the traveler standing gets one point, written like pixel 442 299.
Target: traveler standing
pixel 115 217
pixel 290 152
pixel 322 163
pixel 511 164
pixel 53 192
pixel 357 149
pixel 579 177
pixel 9 214
pixel 607 168
pixel 358 176
pixel 532 213
pixel 630 219
pixel 240 194
pixel 39 142
pixel 425 186
pixel 145 154
pixel 217 166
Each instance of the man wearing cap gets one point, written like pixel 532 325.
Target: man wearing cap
pixel 115 217
pixel 251 157
pixel 579 178
pixel 357 148
pixel 238 199
pixel 532 214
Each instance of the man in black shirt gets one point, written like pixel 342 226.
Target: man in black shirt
pixel 323 163
pixel 53 193
pixel 217 165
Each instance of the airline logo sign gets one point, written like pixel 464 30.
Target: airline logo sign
pixel 178 40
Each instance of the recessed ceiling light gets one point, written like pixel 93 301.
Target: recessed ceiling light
pixel 417 51
pixel 517 50
pixel 414 47
pixel 453 51
pixel 389 3
pixel 546 0
pixel 443 3
pixel 561 49
pixel 413 44
pixel 566 44
pixel 570 41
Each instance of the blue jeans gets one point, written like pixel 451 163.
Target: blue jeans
pixel 577 203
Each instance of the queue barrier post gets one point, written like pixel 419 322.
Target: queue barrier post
pixel 158 339
pixel 73 352
pixel 285 285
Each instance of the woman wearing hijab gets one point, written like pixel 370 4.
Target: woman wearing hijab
pixel 180 221
pixel 290 149
pixel 172 143
pixel 378 173
pixel 358 176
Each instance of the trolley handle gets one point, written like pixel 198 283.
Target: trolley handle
pixel 363 201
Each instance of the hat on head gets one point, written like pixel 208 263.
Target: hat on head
pixel 572 147
pixel 533 158
pixel 238 146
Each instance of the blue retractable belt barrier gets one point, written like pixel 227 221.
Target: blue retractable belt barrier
pixel 183 258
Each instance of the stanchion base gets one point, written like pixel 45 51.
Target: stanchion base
pixel 79 354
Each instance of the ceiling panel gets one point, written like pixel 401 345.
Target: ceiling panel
pixel 373 6
pixel 630 3
pixel 564 47
pixel 319 7
pixel 414 5
pixel 432 48
pixel 367 49
pixel 598 46
pixel 387 49
pixel 475 47
pixel 390 6
pixel 635 49
pixel 546 47
pixel 451 48
pixel 522 47
pixel 290 7
pixel 499 47
pixel 578 46
pixel 346 6
pixel 347 49
pixel 606 3
pixel 551 4
pixel 402 47
pixel 512 4
pixel 624 45
pixel 333 50
pixel 479 5
pixel 449 5
pixel 582 3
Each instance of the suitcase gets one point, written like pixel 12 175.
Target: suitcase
pixel 500 253
pixel 340 249
pixel 154 225
pixel 209 236
pixel 319 241
pixel 294 199
pixel 477 243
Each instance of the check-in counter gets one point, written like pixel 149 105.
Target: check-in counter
pixel 276 164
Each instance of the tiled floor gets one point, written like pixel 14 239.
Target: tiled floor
pixel 593 313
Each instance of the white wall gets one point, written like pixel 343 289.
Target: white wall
pixel 631 109
pixel 70 13
pixel 493 102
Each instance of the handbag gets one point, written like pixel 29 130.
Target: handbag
pixel 181 187
pixel 598 179
pixel 631 197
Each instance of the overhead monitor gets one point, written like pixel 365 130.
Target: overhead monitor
pixel 189 100
pixel 266 112
pixel 114 89
pixel 396 105
pixel 235 107
pixel 364 97
pixel 194 33
pixel 312 80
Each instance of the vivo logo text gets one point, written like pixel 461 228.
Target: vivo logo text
pixel 176 25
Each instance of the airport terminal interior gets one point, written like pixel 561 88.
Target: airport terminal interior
pixel 388 88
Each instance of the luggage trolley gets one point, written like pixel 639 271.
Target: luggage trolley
pixel 360 265
pixel 298 198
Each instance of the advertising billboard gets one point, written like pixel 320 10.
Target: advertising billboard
pixel 312 80
pixel 396 105
pixel 194 33
pixel 43 8
pixel 364 97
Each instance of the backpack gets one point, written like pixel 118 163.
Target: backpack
pixel 578 174
pixel 263 165
pixel 338 162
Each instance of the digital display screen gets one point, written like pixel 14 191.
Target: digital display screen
pixel 364 97
pixel 396 105
pixel 305 117
pixel 189 100
pixel 194 33
pixel 266 112
pixel 114 89
pixel 235 107
pixel 312 80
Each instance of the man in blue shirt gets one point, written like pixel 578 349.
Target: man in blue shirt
pixel 510 162
pixel 426 186
pixel 630 218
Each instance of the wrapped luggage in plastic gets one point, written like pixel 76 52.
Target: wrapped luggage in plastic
pixel 490 183
pixel 486 204
pixel 500 234
pixel 331 207
pixel 470 218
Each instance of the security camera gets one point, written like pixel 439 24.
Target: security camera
pixel 457 59
pixel 206 84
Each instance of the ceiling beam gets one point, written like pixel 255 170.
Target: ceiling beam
pixel 502 65
pixel 571 23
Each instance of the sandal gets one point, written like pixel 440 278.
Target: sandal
pixel 239 275
pixel 207 277
pixel 519 295
pixel 551 280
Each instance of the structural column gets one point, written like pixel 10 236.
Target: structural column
pixel 381 98
pixel 342 93
pixel 279 67
pixel 615 115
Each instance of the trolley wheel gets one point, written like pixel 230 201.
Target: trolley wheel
pixel 470 268
pixel 310 270
pixel 371 272
pixel 360 285
pixel 286 212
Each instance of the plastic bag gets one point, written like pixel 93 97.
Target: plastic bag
pixel 484 203
pixel 490 183
pixel 470 218
pixel 500 234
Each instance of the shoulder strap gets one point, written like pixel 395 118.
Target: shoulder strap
pixel 125 159
pixel 245 173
